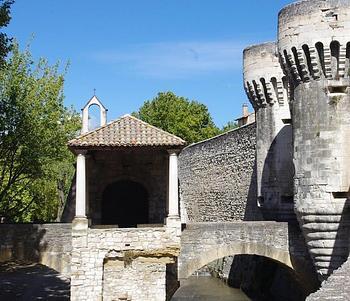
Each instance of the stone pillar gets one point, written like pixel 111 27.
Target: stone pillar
pixel 80 197
pixel 79 232
pixel 173 190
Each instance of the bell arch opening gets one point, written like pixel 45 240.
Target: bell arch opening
pixel 94 118
pixel 124 203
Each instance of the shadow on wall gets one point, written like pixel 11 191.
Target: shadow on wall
pixel 48 244
pixel 262 279
pixel 69 208
pixel 276 198
pixel 301 260
pixel 171 281
pixel 252 211
pixel 21 242
pixel 342 240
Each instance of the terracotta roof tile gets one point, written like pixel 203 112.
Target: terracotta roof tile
pixel 126 131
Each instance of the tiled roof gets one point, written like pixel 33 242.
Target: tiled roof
pixel 126 131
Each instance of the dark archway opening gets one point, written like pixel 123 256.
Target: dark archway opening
pixel 245 277
pixel 125 203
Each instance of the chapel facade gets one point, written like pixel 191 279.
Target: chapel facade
pixel 126 223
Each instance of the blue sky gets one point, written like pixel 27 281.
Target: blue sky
pixel 132 49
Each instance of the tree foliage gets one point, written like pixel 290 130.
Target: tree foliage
pixel 35 165
pixel 187 119
pixel 230 125
pixel 5 42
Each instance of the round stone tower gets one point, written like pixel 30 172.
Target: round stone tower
pixel 313 44
pixel 267 90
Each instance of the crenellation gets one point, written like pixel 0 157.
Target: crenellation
pixel 313 56
pixel 320 120
pixel 274 148
pixel 316 62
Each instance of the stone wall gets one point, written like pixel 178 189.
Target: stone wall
pixel 48 244
pixel 218 178
pixel 202 243
pixel 141 279
pixel 336 287
pixel 139 256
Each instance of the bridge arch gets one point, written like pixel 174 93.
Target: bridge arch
pixel 187 266
pixel 202 243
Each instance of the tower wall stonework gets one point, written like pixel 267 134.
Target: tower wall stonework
pixel 313 43
pixel 267 90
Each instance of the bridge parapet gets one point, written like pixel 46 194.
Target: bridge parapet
pixel 202 243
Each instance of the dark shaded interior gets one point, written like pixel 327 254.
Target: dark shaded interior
pixel 125 203
pixel 264 279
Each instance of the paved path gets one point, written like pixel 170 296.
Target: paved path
pixel 26 282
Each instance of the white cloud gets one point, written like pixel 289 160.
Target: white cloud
pixel 169 60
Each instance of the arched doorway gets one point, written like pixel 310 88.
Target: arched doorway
pixel 125 203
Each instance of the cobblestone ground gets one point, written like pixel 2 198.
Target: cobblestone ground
pixel 25 282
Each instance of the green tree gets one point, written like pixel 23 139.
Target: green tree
pixel 35 164
pixel 5 42
pixel 187 119
pixel 230 125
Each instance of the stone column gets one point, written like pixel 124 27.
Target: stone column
pixel 173 219
pixel 80 203
pixel 79 232
pixel 173 195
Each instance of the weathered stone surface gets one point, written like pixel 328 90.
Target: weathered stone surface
pixel 202 243
pixel 48 244
pixel 139 256
pixel 218 178
pixel 336 287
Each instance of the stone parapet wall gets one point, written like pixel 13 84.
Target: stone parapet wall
pixel 128 263
pixel 48 244
pixel 218 178
pixel 202 243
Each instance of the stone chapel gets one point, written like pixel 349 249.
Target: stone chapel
pixel 126 223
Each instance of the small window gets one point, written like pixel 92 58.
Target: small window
pixel 337 89
pixel 340 195
pixel 287 121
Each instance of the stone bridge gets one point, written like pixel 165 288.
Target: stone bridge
pixel 202 243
